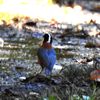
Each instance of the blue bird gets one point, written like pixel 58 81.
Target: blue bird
pixel 46 54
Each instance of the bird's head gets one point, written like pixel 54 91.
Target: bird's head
pixel 47 38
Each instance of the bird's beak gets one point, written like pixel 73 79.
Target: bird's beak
pixel 42 39
pixel 40 44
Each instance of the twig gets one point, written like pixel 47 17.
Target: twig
pixel 95 24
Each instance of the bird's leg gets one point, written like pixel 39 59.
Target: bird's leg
pixel 42 72
pixel 47 71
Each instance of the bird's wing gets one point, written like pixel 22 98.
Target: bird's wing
pixel 47 57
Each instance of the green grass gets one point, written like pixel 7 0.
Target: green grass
pixel 63 54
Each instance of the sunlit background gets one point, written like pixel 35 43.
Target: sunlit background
pixel 46 10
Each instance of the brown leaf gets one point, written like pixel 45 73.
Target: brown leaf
pixel 95 75
pixel 89 44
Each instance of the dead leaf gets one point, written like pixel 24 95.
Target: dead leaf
pixel 89 44
pixel 95 75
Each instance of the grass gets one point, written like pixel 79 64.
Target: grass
pixel 63 54
pixel 75 84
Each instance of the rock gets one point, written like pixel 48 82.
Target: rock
pixel 33 93
pixel 56 69
pixel 16 99
pixel 86 97
pixel 30 23
pixel 1 42
pixel 22 78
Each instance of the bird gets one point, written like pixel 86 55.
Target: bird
pixel 46 54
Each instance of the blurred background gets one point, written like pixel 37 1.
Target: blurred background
pixel 48 10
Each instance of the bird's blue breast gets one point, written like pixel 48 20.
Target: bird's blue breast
pixel 47 57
